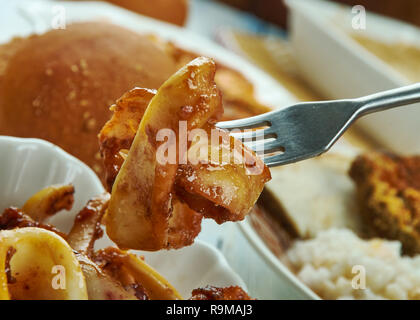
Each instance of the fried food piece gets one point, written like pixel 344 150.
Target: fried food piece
pixel 388 189
pixel 144 212
pixel 135 275
pixel 215 293
pixel 27 272
pixel 118 133
pixel 87 225
pixel 116 139
pixel 223 190
pixel 140 206
pixel 58 86
pixel 238 92
pixel 49 201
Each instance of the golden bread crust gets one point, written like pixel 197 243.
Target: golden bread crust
pixel 59 86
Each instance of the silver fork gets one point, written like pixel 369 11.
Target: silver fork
pixel 308 129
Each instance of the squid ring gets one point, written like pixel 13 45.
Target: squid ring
pixel 38 264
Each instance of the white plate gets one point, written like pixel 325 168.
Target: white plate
pixel 341 68
pixel 28 165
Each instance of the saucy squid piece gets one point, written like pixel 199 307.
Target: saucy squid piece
pixel 158 199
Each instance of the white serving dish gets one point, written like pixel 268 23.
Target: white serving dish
pixel 28 165
pixel 270 280
pixel 340 68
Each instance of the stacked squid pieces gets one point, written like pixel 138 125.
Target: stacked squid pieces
pixel 157 199
pixel 39 262
pixel 160 204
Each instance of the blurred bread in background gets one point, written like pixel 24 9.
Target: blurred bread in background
pixel 59 86
pixel 172 11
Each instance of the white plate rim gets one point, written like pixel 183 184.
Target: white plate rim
pixel 280 268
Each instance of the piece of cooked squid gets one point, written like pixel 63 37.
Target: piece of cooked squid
pixel 112 273
pixel 135 275
pixel 49 201
pixel 35 259
pixel 115 275
pixel 13 218
pixel 87 225
pixel 101 286
pixel 38 264
pixel 159 204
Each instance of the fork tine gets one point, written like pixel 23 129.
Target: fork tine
pixel 288 157
pixel 247 123
pixel 254 134
pixel 279 159
pixel 265 147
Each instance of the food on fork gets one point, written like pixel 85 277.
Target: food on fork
pixel 58 86
pixel 388 189
pixel 159 204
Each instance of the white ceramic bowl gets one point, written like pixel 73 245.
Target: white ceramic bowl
pixel 270 280
pixel 28 165
pixel 340 68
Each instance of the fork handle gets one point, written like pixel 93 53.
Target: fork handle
pixel 389 99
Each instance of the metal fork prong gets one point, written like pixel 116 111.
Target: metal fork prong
pixel 309 129
pixel 264 147
pixel 288 157
pixel 254 134
pixel 247 123
pixel 278 159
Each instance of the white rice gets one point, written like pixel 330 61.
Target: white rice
pixel 326 263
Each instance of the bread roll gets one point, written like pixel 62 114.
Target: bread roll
pixel 173 11
pixel 59 86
